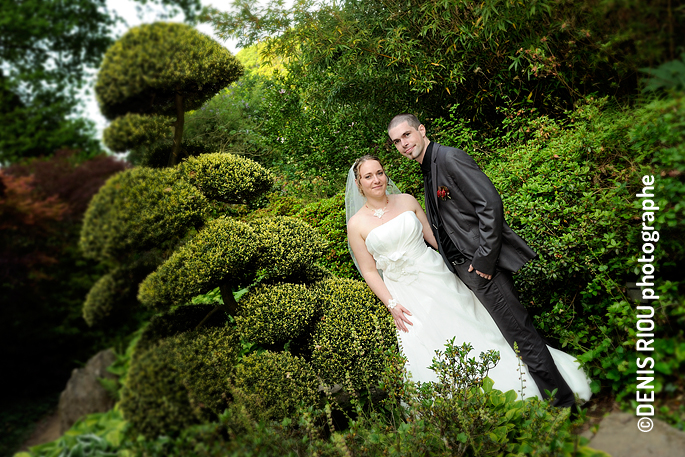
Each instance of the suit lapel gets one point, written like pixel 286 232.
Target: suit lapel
pixel 434 174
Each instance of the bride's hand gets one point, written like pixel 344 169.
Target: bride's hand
pixel 398 313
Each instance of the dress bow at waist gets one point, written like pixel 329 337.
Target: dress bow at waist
pixel 397 266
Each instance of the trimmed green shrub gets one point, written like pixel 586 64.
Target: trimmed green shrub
pixel 205 359
pixel 221 252
pixel 174 322
pixel 104 296
pixel 138 209
pixel 176 381
pixel 273 384
pixel 114 295
pixel 154 399
pixel 134 130
pixel 287 245
pixel 355 329
pixel 226 177
pixel 275 313
pixel 145 69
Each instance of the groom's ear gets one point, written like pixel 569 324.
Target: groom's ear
pixel 422 129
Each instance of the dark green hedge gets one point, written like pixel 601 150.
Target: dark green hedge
pixel 139 209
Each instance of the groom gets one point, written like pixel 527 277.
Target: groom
pixel 465 212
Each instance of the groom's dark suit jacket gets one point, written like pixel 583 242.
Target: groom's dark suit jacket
pixel 473 216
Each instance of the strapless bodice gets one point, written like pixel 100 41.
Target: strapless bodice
pixel 396 245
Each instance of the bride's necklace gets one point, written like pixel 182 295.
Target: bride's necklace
pixel 381 211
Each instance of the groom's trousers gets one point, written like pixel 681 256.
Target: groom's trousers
pixel 499 297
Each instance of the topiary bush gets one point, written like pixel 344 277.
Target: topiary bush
pixel 226 177
pixel 271 314
pixel 349 340
pixel 287 245
pixel 171 323
pixel 104 297
pixel 205 359
pixel 153 399
pixel 272 385
pixel 220 252
pixel 178 377
pixel 162 59
pixel 139 209
pixel 135 130
pixel 162 69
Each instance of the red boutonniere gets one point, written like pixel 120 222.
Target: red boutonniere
pixel 443 193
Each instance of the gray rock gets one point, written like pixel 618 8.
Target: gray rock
pixel 619 436
pixel 84 394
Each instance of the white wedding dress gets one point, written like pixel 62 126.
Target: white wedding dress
pixel 443 307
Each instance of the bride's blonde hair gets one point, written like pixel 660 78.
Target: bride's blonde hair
pixel 358 163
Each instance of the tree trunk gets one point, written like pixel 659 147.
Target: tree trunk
pixel 175 155
pixel 229 300
pixel 230 305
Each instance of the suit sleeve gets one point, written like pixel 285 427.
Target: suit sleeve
pixel 487 203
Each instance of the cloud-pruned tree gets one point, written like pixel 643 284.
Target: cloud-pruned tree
pixel 161 233
pixel 162 69
pixel 46 52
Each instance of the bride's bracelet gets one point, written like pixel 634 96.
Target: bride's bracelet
pixel 392 303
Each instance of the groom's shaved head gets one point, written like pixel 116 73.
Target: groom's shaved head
pixel 412 120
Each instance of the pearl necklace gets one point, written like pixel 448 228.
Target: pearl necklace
pixel 381 211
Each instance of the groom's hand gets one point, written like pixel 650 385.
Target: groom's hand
pixel 483 275
pixel 398 313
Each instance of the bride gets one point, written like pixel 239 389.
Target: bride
pixel 429 304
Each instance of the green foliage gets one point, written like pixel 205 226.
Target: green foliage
pixel 238 434
pixel 569 189
pixel 328 217
pixel 275 314
pixel 156 155
pixel 43 126
pixel 94 435
pixel 38 90
pixel 154 399
pixel 352 65
pixel 177 379
pixel 354 330
pixel 138 209
pixel 104 296
pixel 275 412
pixel 669 75
pixel 462 415
pixel 318 137
pixel 145 69
pixel 287 245
pixel 256 62
pixel 49 47
pixel 134 130
pixel 226 177
pixel 204 359
pixel 174 322
pixel 231 120
pixel 220 252
pixel 272 385
pixel 114 294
